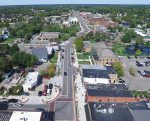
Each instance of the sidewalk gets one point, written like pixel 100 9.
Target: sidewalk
pixel 36 99
pixel 79 94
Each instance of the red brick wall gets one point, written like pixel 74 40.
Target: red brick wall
pixel 110 99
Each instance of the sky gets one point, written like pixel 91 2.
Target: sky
pixel 31 2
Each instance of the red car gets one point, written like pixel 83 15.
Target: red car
pixel 45 90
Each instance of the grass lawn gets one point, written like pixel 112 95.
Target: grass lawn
pixel 15 90
pixel 84 62
pixel 9 40
pixel 84 55
pixel 54 58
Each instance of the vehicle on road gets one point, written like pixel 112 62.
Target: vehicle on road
pixel 18 104
pixel 50 86
pixel 65 73
pixel 40 93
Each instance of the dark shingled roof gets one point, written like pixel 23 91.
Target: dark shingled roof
pixel 110 112
pixel 95 73
pixel 5 116
pixel 40 53
pixel 108 90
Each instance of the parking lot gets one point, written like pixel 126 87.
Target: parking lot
pixel 138 82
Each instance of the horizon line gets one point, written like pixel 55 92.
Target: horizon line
pixel 74 4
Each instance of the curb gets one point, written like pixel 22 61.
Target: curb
pixel 51 100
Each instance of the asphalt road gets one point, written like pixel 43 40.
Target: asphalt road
pixel 28 107
pixel 67 67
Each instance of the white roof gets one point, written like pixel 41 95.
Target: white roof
pixel 25 116
pixel 96 80
pixel 140 33
pixel 31 78
pixel 49 49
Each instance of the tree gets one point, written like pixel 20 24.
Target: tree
pixel 23 60
pixel 5 64
pixel 28 36
pixel 64 37
pixel 139 40
pixel 20 33
pixel 132 71
pixel 51 70
pixel 13 49
pixel 4 49
pixel 126 38
pixel 138 52
pixel 79 44
pixel 118 67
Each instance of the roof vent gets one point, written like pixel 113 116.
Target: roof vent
pixel 111 110
pixel 148 105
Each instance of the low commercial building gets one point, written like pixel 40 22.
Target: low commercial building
pixel 26 116
pixel 109 93
pixel 47 36
pixel 31 81
pixel 73 19
pixel 103 55
pixel 41 54
pixel 87 47
pixel 117 111
pixel 101 21
pixel 95 74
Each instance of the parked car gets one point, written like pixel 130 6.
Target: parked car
pixel 25 93
pixel 65 73
pixel 18 104
pixel 50 86
pixel 12 100
pixel 40 93
pixel 139 64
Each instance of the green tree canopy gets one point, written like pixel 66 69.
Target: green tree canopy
pixel 79 44
pixel 118 68
pixel 138 52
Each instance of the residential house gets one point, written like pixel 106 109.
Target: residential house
pixel 41 54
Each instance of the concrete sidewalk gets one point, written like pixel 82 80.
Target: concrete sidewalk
pixel 36 99
pixel 79 94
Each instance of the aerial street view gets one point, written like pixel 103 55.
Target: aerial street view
pixel 74 60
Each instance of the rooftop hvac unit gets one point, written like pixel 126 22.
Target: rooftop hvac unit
pixel 111 110
pixel 148 105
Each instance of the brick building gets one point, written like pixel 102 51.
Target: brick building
pixel 109 93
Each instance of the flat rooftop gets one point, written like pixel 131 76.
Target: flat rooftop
pixel 108 90
pixel 5 116
pixel 110 112
pixel 31 78
pixel 95 73
pixel 108 69
pixel 103 50
pixel 137 111
pixel 25 116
